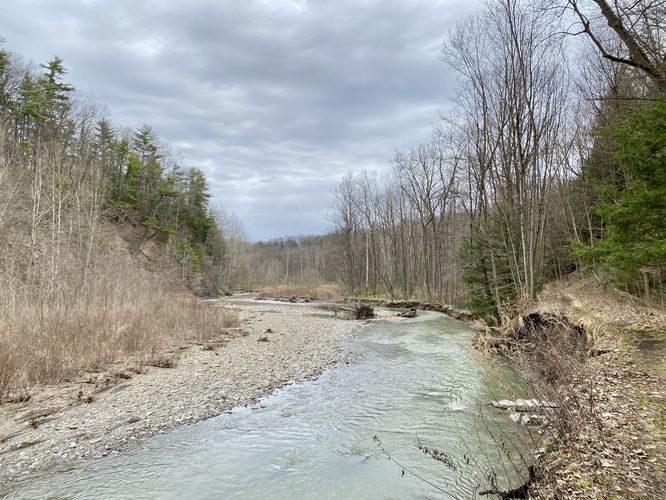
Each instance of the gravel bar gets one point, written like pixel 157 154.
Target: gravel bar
pixel 66 425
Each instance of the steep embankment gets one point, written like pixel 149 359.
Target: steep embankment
pixel 602 356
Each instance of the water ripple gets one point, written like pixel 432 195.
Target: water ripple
pixel 409 383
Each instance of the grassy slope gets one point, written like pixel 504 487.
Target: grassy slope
pixel 132 310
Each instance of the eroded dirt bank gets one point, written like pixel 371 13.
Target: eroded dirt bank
pixel 607 438
pixel 102 414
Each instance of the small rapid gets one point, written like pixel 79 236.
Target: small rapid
pixel 354 432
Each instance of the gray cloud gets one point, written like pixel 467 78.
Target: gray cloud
pixel 274 100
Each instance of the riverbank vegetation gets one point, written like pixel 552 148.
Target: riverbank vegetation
pixel 539 204
pixel 598 356
pixel 550 161
pixel 102 231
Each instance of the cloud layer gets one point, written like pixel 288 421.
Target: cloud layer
pixel 274 100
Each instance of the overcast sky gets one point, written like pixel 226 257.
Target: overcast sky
pixel 274 100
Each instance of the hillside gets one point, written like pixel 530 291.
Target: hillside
pixel 104 234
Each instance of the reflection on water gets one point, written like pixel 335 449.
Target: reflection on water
pixel 414 381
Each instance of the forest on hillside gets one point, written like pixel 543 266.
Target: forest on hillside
pixel 102 230
pixel 552 160
pixel 66 168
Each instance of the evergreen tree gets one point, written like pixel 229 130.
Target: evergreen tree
pixel 634 232
pixel 56 94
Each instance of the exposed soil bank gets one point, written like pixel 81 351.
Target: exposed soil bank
pixel 103 413
pixel 608 440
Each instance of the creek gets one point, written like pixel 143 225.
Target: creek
pixel 418 381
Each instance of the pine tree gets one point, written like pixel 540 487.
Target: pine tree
pixel 633 249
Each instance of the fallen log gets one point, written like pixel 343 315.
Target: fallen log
pixel 410 313
pixel 523 405
pixel 523 491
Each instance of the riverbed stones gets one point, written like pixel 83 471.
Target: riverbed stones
pixel 201 384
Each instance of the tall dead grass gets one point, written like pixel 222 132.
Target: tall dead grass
pixel 121 312
pixel 551 351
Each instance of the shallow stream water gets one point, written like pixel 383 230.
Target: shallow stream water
pixel 414 382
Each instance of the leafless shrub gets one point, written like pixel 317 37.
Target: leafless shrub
pixel 550 352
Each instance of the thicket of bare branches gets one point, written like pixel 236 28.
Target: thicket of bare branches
pixel 513 179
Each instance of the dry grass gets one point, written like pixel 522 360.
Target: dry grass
pixel 600 441
pixel 600 306
pixel 326 291
pixel 550 354
pixel 41 346
pixel 123 312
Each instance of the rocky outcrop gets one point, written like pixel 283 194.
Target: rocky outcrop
pixel 524 410
pixel 527 419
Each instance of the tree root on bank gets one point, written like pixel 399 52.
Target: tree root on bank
pixel 364 312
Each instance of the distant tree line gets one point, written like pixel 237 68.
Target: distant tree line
pixel 553 159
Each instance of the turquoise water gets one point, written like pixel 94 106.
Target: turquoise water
pixel 417 381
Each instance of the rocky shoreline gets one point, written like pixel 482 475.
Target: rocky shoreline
pixel 103 414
